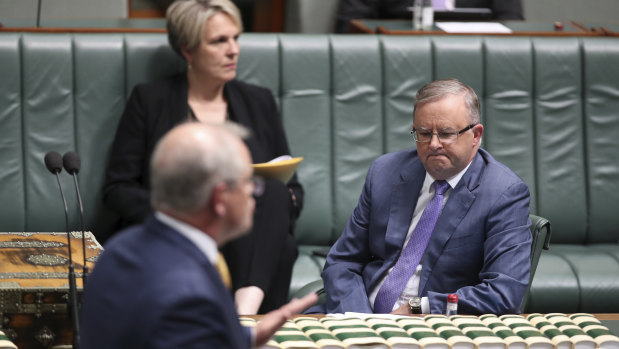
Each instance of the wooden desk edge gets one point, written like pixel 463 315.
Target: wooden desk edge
pixel 356 26
pixel 599 316
pixel 382 30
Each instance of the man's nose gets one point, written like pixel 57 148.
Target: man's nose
pixel 435 142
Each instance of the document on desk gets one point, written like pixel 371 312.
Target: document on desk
pixel 473 27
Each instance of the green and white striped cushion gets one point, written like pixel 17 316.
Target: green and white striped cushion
pixel 5 343
pixel 602 336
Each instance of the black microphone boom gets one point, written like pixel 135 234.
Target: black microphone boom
pixel 72 163
pixel 53 162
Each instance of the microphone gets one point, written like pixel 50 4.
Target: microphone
pixel 72 163
pixel 53 162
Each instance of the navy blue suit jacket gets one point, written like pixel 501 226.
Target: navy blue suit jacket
pixel 479 249
pixel 153 288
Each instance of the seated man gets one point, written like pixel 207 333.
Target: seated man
pixel 156 285
pixel 444 218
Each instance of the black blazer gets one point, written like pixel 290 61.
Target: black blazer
pixel 156 107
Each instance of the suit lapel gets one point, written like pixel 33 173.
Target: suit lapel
pixel 179 105
pixel 218 291
pixel 403 201
pixel 242 110
pixel 456 208
pixel 237 105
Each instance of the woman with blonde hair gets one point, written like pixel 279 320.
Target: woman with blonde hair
pixel 205 34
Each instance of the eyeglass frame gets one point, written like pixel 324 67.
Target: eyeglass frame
pixel 458 133
pixel 257 181
pixel 259 185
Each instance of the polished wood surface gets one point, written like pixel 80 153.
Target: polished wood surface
pixel 609 316
pixel 599 316
pixel 519 28
pixel 269 16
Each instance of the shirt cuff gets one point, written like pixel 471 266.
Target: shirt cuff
pixel 425 305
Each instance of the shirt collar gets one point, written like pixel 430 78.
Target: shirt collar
pixel 205 243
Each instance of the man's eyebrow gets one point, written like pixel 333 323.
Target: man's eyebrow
pixel 446 128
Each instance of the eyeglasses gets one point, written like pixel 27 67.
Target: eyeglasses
pixel 258 186
pixel 256 181
pixel 425 136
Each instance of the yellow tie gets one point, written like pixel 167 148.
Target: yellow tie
pixel 224 272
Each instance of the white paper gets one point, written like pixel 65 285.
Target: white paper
pixel 473 27
pixel 281 158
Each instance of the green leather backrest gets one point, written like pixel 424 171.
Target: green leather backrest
pixel 601 127
pixel 550 108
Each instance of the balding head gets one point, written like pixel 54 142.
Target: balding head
pixel 190 160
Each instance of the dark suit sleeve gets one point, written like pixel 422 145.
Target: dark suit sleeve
pixel 504 276
pixel 342 274
pixel 194 323
pixel 126 190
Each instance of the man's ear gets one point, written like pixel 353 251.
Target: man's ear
pixel 478 131
pixel 217 201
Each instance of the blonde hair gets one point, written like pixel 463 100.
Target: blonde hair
pixel 186 20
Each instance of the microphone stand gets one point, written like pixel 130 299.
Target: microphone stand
pixel 73 312
pixel 79 198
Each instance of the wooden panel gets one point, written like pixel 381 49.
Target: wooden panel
pixel 269 16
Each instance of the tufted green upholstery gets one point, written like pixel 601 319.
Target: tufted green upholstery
pixel 550 107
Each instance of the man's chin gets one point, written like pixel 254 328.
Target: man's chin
pixel 439 172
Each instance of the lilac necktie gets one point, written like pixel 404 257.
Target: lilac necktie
pixel 411 255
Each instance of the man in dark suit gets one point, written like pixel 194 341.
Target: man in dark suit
pixel 479 245
pixel 156 285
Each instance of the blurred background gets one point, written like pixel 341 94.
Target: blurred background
pixel 290 16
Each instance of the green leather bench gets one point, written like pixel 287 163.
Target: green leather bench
pixel 550 108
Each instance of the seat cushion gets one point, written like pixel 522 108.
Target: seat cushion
pixel 575 278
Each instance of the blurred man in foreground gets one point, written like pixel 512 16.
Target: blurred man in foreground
pixel 156 285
